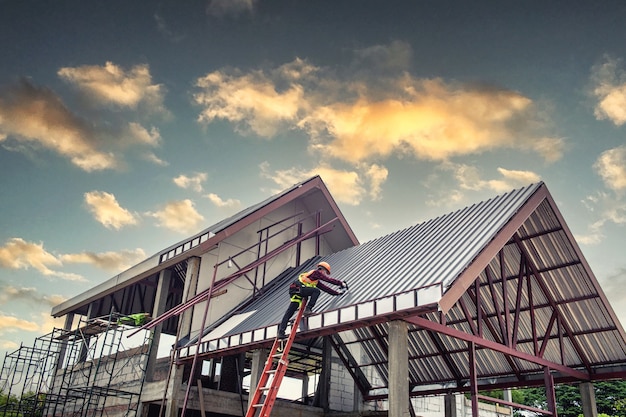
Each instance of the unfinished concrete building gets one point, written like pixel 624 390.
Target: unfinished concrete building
pixel 497 295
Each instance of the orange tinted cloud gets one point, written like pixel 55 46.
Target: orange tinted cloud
pixel 178 216
pixel 107 211
pixel 347 186
pixel 611 166
pixel 609 88
pixel 252 101
pixel 110 84
pixel 429 120
pixel 359 120
pixel 37 117
pixel 20 254
pixel 110 261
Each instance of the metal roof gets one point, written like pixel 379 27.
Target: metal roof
pixel 504 274
pixel 313 190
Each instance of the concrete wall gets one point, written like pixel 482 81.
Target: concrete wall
pixel 342 387
pixel 226 402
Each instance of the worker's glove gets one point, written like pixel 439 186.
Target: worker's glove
pixel 342 290
pixel 344 284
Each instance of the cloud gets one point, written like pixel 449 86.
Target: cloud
pixel 611 166
pixel 468 178
pixel 253 102
pixel 178 216
pixel 218 202
pixel 36 117
pixel 141 135
pixel 12 323
pixel 345 186
pixel 607 208
pixel 609 88
pixel 377 175
pixel 47 323
pixel 395 57
pixel 594 235
pixel 20 254
pixel 30 295
pixel 110 261
pixel 222 8
pixel 194 182
pixel 151 157
pixel 8 345
pixel 110 84
pixel 107 211
pixel 614 286
pixel 42 323
pixel 433 121
pixel 360 120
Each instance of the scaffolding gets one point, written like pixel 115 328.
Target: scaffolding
pixel 82 372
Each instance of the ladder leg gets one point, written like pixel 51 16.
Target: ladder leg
pixel 264 396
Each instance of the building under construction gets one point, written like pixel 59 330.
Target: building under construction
pixel 497 295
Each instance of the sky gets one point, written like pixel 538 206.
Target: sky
pixel 127 126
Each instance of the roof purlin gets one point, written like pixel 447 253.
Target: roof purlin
pixel 467 277
pixel 440 328
pixel 552 303
pixel 446 357
pixel 475 296
pixel 586 266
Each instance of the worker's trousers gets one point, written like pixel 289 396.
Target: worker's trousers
pixel 311 293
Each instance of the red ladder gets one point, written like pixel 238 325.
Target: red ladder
pixel 278 356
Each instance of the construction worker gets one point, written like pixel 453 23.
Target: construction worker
pixel 308 286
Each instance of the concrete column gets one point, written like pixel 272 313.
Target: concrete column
pixel 173 390
pixel 86 339
pixel 160 299
pixel 184 327
pixel 189 291
pixel 398 369
pixel 323 387
pixel 357 405
pixel 259 357
pixel 69 320
pixel 450 405
pixel 588 397
pixel 508 396
pixel 305 387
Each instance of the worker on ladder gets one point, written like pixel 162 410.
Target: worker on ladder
pixel 308 286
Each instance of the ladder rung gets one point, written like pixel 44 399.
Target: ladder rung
pixel 277 355
pixel 257 405
pixel 271 371
pixel 265 388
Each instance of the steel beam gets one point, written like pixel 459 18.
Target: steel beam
pixel 436 327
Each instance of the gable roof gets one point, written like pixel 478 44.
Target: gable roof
pixel 511 253
pixel 313 190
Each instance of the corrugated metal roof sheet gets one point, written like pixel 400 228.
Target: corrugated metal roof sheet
pixel 430 253
pixel 553 299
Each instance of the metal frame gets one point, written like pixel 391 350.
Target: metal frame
pixel 498 323
pixel 492 328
